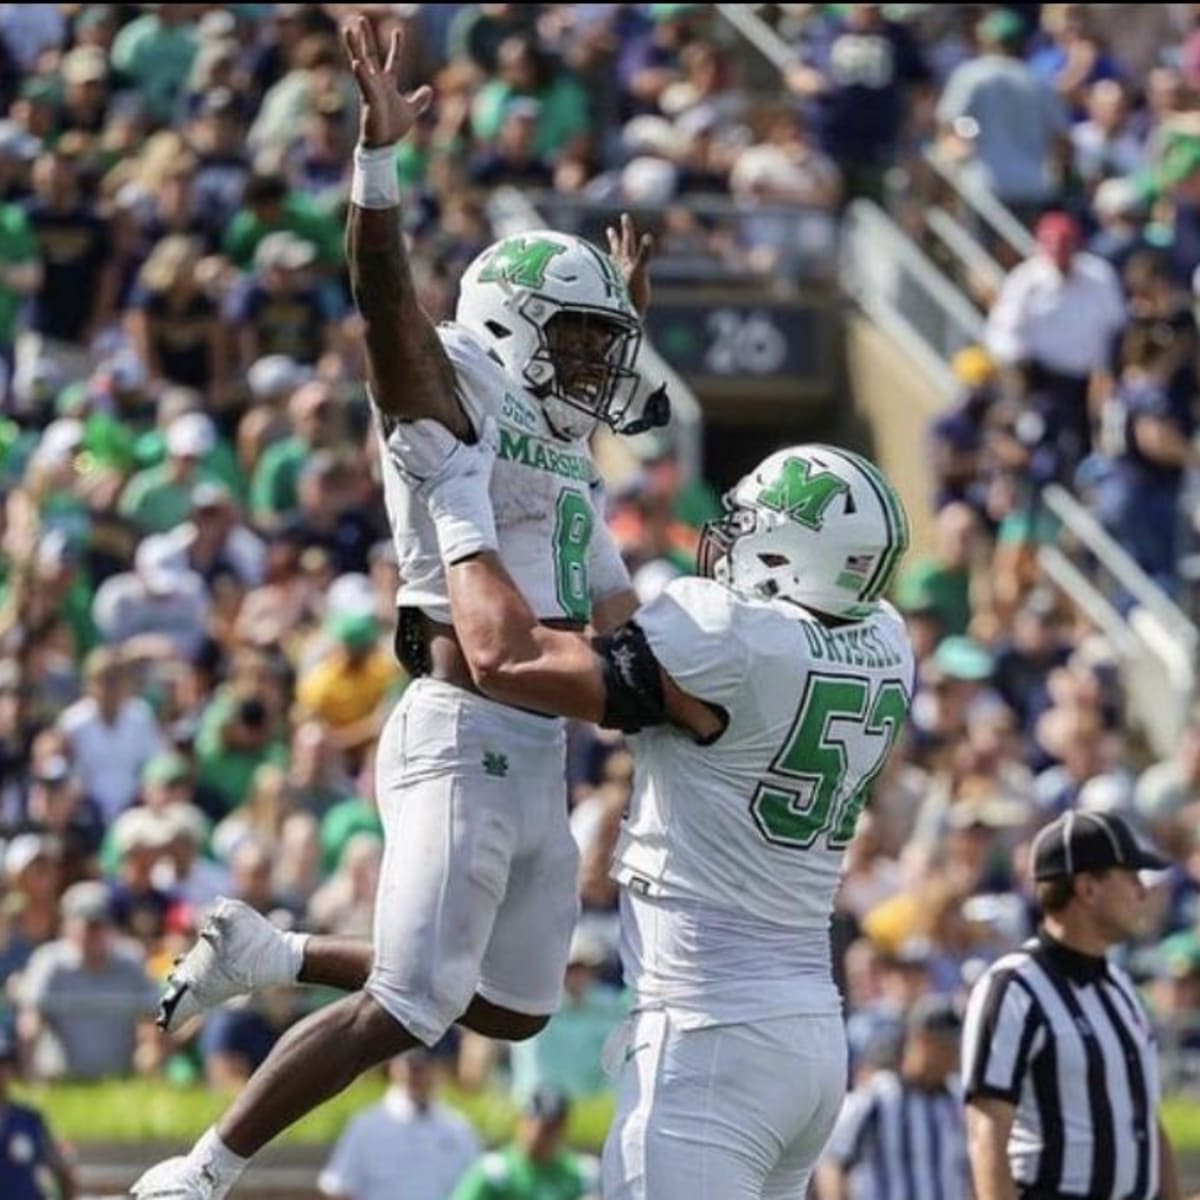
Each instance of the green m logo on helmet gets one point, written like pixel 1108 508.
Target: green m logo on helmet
pixel 521 262
pixel 801 494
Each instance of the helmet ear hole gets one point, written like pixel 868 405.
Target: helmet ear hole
pixel 497 330
pixel 773 560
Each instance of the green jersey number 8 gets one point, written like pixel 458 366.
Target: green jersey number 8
pixel 572 541
pixel 807 796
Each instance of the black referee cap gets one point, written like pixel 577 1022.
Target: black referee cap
pixel 1078 842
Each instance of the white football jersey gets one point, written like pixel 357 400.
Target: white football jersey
pixel 546 496
pixel 732 852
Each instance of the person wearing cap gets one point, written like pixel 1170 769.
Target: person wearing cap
pixel 408 1135
pixel 536 1166
pixel 212 542
pixel 28 1150
pixel 221 465
pixel 80 277
pixel 84 71
pixel 864 1158
pixel 139 839
pixel 66 1032
pixel 1000 120
pixel 280 308
pixel 31 886
pixel 1060 1066
pixel 157 597
pixel 347 688
pixel 159 498
pixel 1052 328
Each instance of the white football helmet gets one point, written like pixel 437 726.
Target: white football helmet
pixel 812 525
pixel 556 312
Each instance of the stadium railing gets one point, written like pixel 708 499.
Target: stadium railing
pixel 900 288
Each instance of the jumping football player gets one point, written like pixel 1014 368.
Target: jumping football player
pixel 477 895
pixel 764 699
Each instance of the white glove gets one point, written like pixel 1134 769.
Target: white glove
pixel 452 479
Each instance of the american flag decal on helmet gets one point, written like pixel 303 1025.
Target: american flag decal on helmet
pixel 854 571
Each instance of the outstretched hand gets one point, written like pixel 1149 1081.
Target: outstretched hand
pixel 632 255
pixel 387 114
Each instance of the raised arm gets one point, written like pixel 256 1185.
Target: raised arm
pixel 407 367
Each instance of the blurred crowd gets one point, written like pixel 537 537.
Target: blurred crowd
pixel 196 582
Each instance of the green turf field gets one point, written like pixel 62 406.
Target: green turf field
pixel 143 1111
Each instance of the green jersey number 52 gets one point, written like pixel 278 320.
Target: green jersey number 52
pixel 807 795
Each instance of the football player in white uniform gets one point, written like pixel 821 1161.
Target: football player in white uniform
pixel 478 891
pixel 763 699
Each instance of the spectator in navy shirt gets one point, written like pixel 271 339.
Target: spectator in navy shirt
pixel 513 160
pixel 173 323
pixel 855 74
pixel 218 136
pixel 281 310
pixel 1148 439
pixel 80 280
pixel 32 1166
pixel 319 163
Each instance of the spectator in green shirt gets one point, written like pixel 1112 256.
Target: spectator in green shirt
pixel 268 206
pixel 20 271
pixel 156 52
pixel 160 498
pixel 562 123
pixel 536 1166
pixel 275 488
pixel 235 738
pixel 341 824
pixel 220 464
pixel 942 581
pixel 567 1053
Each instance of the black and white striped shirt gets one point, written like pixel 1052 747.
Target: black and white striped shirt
pixel 900 1142
pixel 1063 1036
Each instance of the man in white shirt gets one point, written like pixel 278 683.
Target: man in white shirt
pixel 1053 326
pixel 112 735
pixel 407 1147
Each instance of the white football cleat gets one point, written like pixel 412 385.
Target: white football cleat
pixel 178 1179
pixel 238 951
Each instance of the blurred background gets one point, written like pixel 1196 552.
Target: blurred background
pixel 857 210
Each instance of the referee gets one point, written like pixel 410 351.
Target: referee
pixel 1060 1071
